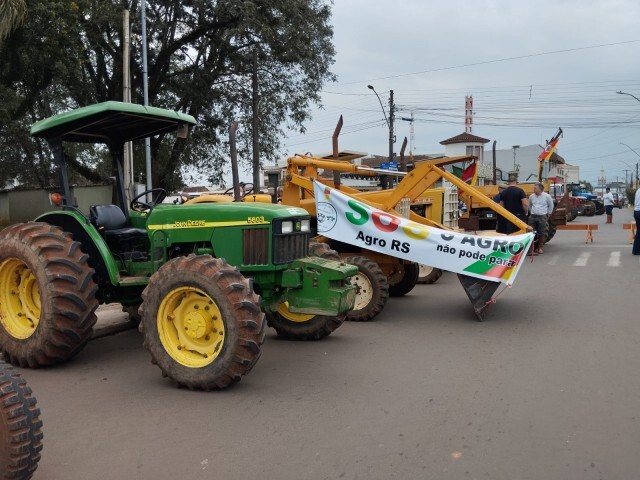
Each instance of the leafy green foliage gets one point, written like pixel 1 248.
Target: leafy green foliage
pixel 68 53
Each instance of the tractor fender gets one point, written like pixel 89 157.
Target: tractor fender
pixel 100 258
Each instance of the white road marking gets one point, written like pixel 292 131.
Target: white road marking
pixel 582 260
pixel 614 259
pixel 553 260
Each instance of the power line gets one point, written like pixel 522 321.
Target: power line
pixel 487 62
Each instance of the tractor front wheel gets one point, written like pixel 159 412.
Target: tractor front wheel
pixel 297 326
pixel 47 295
pixel 201 322
pixel 403 279
pixel 372 289
pixel 20 427
pixel 428 275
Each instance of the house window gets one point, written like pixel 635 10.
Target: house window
pixel 469 150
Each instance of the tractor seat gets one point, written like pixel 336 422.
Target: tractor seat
pixel 112 224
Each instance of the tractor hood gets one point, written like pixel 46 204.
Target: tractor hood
pixel 210 215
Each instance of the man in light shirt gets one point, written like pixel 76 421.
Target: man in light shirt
pixel 608 205
pixel 540 210
pixel 636 214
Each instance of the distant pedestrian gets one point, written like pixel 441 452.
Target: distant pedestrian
pixel 636 214
pixel 608 205
pixel 540 210
pixel 515 201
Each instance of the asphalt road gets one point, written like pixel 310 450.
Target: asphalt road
pixel 546 388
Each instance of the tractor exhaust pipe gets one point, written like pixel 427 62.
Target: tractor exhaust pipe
pixel 403 161
pixel 234 162
pixel 336 152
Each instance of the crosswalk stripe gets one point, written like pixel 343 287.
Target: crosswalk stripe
pixel 614 259
pixel 553 260
pixel 582 260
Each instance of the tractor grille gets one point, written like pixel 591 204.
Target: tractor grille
pixel 255 246
pixel 287 248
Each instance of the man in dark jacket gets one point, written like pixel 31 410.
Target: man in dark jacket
pixel 515 201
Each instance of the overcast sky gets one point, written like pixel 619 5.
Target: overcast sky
pixel 425 50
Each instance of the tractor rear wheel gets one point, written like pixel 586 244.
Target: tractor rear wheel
pixel 20 427
pixel 428 275
pixel 403 279
pixel 372 289
pixel 47 295
pixel 297 326
pixel 201 322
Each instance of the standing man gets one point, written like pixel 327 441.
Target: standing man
pixel 540 210
pixel 636 214
pixel 500 221
pixel 608 205
pixel 514 200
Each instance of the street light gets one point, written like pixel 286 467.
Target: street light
pixel 370 87
pixel 624 93
pixel 389 124
pixel 637 163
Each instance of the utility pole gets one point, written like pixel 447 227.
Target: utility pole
pixel 145 87
pixel 391 119
pixel 384 179
pixel 626 178
pixel 412 133
pixel 254 124
pixel 126 97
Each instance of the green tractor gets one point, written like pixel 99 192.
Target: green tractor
pixel 200 276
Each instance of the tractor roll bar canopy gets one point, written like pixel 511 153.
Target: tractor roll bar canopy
pixel 110 122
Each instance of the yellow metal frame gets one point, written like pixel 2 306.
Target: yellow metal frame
pixel 301 170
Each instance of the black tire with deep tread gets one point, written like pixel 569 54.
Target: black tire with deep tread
pixel 240 308
pixel 134 313
pixel 20 427
pixel 589 209
pixel 551 233
pixel 323 250
pixel 67 294
pixel 409 279
pixel 431 277
pixel 317 327
pixel 380 286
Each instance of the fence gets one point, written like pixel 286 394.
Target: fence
pixel 24 205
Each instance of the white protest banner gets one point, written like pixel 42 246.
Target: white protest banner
pixel 494 258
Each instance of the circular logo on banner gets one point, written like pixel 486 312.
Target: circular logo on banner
pixel 327 216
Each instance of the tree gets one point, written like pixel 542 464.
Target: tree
pixel 12 13
pixel 200 61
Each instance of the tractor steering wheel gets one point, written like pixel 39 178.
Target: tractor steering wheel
pixel 246 192
pixel 140 206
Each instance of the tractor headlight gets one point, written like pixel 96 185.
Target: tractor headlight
pixel 305 225
pixel 287 227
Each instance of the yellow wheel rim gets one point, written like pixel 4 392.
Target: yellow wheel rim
pixel 283 309
pixel 190 327
pixel 20 305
